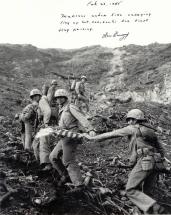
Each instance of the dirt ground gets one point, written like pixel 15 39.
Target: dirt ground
pixel 38 192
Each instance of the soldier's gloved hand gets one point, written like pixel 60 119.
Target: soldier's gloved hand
pixel 84 135
pixel 92 133
pixel 87 136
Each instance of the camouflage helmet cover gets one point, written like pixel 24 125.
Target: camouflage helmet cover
pixel 61 93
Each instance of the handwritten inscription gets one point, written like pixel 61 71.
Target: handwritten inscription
pixel 116 34
pixel 91 21
pixel 103 3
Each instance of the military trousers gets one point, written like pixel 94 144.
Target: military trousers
pixel 63 159
pixel 27 136
pixel 140 186
pixel 42 149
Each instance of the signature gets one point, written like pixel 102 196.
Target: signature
pixel 116 34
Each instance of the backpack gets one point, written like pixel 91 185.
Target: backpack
pixel 148 135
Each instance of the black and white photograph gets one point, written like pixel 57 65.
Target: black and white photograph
pixel 85 114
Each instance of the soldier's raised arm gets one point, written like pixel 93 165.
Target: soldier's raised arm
pixel 126 131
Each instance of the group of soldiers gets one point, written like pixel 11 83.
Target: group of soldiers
pixel 54 107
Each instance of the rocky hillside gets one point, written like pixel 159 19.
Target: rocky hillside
pixel 23 67
pixel 137 73
pixel 121 79
pixel 140 73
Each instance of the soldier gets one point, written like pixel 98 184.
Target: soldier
pixel 51 91
pixel 145 148
pixel 42 147
pixel 29 119
pixel 80 93
pixel 63 155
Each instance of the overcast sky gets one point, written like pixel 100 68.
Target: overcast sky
pixel 36 22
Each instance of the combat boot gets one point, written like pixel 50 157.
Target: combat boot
pixel 156 209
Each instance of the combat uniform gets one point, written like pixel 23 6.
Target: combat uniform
pixel 64 154
pixel 29 120
pixel 143 142
pixel 42 147
pixel 80 95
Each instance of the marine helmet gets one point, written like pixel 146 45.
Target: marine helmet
pixel 35 92
pixel 61 93
pixel 135 114
pixel 83 77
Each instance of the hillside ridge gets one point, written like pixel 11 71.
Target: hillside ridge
pixel 138 73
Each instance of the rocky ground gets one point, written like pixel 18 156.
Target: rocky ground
pixel 38 192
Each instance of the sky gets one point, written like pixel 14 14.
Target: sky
pixel 37 22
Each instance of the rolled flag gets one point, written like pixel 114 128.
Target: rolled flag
pixel 70 134
pixel 59 132
pixel 44 132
